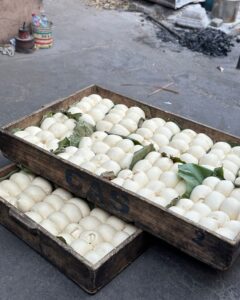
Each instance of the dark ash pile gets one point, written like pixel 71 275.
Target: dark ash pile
pixel 207 41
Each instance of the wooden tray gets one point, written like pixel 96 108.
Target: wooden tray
pixel 89 277
pixel 193 239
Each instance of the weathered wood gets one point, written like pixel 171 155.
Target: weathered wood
pixel 88 277
pixel 182 233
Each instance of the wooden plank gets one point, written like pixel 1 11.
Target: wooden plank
pixel 77 268
pixel 190 238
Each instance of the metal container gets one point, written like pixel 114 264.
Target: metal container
pixel 227 10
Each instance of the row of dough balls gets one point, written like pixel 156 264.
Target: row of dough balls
pixel 154 178
pixel 215 204
pixel 93 108
pixel 92 233
pixel 102 153
pixel 51 131
pixel 121 120
pixel 223 155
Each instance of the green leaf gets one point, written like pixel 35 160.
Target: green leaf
pixel 72 116
pixel 141 154
pixel 173 158
pixel 47 115
pixel 14 130
pixel 194 175
pixel 233 144
pixel 81 129
pixel 7 176
pixel 173 202
pixel 62 239
pixel 125 137
pixel 62 145
pixel 140 122
pixel 218 172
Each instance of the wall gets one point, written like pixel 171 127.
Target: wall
pixel 13 13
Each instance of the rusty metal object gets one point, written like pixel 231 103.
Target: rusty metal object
pixel 24 40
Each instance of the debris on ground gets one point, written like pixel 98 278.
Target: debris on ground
pixel 216 22
pixel 207 41
pixel 110 4
pixel 221 69
pixel 193 16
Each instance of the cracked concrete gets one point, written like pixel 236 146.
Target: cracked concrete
pixel 112 49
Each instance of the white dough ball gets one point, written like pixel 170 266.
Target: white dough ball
pixel 211 181
pixel 202 208
pixel 10 187
pixel 142 165
pixel 220 216
pixel 65 195
pixel 72 212
pixel 118 181
pixel 50 227
pixel 35 193
pixel 214 200
pixel 226 232
pixel 82 205
pixel 178 210
pixel 33 130
pixel 21 180
pixel 103 249
pixel 200 192
pixel 146 193
pixel 170 179
pixel 141 178
pixel 111 140
pixel 107 232
pixel 222 146
pixel 81 246
pixel 60 219
pixel 125 163
pixel 156 186
pixel 196 151
pixel 85 142
pixel 74 230
pixel 160 201
pixel 120 130
pixel 91 237
pixel 67 238
pixel 193 215
pixel 185 203
pixel 131 185
pixel 225 187
pixel 116 154
pixel 90 223
pixel 88 119
pixel 119 238
pixel 36 217
pixel 56 201
pixel 24 203
pixel 130 229
pixel 104 125
pixel 126 145
pixel 43 183
pixel 209 223
pixel 231 206
pixel 115 223
pixel 100 214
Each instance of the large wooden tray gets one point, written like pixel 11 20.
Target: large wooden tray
pixel 185 235
pixel 89 277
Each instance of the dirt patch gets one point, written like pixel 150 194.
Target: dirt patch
pixel 110 4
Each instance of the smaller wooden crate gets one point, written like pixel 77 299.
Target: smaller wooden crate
pixel 89 277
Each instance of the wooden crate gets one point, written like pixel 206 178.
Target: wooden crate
pixel 89 277
pixel 193 239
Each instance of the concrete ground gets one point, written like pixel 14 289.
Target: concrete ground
pixel 112 49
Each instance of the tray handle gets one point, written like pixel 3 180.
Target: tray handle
pixel 22 220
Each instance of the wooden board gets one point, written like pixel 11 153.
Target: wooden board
pixel 185 235
pixel 90 278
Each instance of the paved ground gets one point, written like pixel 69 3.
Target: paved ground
pixel 112 49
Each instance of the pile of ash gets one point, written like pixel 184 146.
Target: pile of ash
pixel 208 41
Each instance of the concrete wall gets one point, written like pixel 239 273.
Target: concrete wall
pixel 13 13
